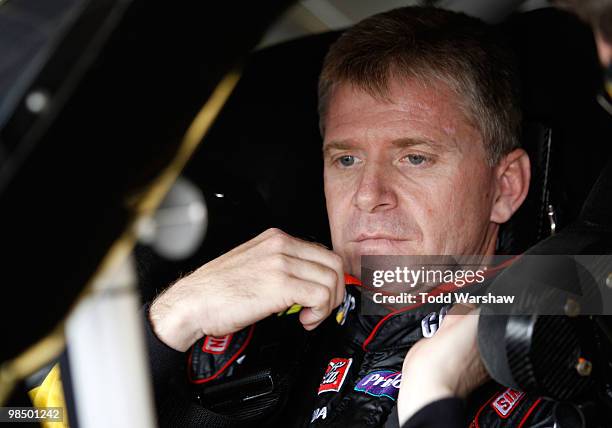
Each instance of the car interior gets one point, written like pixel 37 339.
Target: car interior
pixel 68 177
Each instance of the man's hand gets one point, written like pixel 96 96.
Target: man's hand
pixel 446 365
pixel 263 276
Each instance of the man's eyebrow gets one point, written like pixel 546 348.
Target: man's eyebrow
pixel 410 142
pixel 337 145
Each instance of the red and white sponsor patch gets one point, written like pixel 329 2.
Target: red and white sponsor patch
pixel 334 376
pixel 216 345
pixel 505 403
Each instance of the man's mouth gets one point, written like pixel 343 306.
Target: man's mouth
pixel 371 245
pixel 377 237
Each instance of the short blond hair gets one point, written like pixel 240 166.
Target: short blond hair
pixel 428 44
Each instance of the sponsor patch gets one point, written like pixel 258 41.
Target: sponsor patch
pixel 319 413
pixel 381 383
pixel 216 345
pixel 506 402
pixel 334 376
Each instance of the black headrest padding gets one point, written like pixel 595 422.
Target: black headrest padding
pixel 566 131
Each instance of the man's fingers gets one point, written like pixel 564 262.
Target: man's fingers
pixel 315 275
pixel 309 251
pixel 278 242
pixel 317 298
pixel 315 253
pixel 309 320
pixel 314 272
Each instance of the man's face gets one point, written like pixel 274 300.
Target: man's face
pixel 405 176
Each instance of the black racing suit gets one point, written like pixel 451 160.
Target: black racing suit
pixel 277 374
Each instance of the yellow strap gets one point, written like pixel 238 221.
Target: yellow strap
pixel 50 394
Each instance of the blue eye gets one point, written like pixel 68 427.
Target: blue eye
pixel 347 160
pixel 416 159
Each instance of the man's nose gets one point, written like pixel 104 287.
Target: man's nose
pixel 375 192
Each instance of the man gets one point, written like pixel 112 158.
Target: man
pixel 420 120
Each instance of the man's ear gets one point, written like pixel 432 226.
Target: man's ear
pixel 512 176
